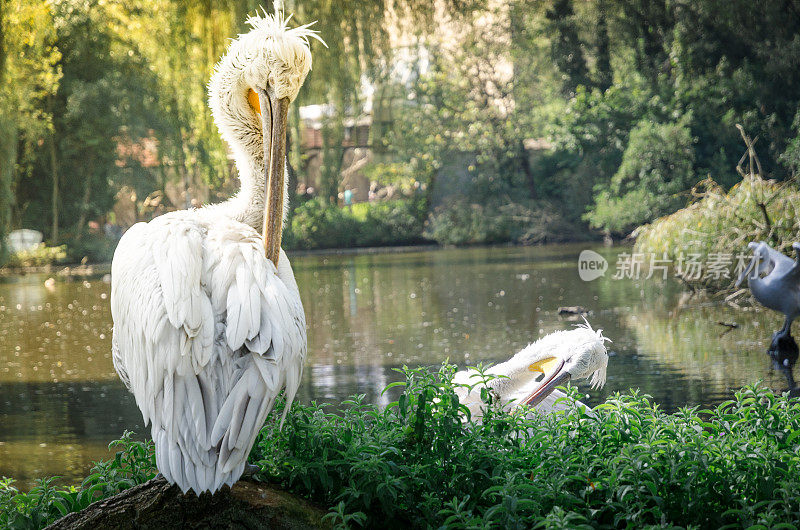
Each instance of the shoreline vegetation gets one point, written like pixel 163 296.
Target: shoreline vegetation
pixel 715 221
pixel 719 223
pixel 329 229
pixel 420 462
pixel 90 268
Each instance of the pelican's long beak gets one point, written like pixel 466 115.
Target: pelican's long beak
pixel 745 272
pixel 752 265
pixel 554 375
pixel 274 114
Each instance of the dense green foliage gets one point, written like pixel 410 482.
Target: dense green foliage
pixel 526 222
pixel 720 223
pixel 420 462
pixel 651 181
pixel 318 224
pixel 518 121
pixel 37 257
pixel 416 464
pixel 639 101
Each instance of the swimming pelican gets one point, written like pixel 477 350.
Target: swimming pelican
pixel 208 323
pixel 531 376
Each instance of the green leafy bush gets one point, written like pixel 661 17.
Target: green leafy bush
pixel 392 223
pixel 528 222
pixel 755 209
pixel 95 248
pixel 37 257
pixel 653 179
pixel 464 223
pixel 791 156
pixel 317 224
pixel 421 462
pixel 398 174
pixel 416 464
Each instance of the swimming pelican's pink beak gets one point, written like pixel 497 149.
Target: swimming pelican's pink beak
pixel 554 375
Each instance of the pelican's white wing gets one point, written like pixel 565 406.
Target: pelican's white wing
pixel 206 335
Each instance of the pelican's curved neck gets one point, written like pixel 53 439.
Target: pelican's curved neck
pixel 240 127
pixel 247 205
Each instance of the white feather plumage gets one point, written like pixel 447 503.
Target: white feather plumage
pixel 207 330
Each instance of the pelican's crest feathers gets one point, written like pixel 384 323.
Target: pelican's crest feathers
pixel 598 379
pixel 276 26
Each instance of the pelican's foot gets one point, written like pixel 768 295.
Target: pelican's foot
pixel 784 350
pixel 250 470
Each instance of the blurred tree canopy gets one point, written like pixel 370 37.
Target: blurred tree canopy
pixel 519 121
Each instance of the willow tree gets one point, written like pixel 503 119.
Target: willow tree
pixel 29 78
pixel 183 41
pixel 7 158
pixel 359 54
pixel 106 92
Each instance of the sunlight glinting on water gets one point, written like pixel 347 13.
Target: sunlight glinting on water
pixel 368 315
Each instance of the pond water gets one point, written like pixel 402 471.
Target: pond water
pixel 61 401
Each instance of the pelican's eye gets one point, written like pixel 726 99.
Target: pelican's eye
pixel 544 366
pixel 252 97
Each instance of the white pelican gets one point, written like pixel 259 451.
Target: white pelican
pixel 207 328
pixel 531 376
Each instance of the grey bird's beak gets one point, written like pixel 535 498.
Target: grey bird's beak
pixel 746 272
pixel 750 267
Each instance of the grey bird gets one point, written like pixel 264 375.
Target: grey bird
pixel 774 281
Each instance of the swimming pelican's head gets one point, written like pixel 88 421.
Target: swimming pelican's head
pixel 533 373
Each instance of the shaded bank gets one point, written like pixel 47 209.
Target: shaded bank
pixel 720 223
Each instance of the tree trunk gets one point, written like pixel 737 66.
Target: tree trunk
pixel 332 156
pixel 87 194
pixel 54 203
pixel 8 156
pixel 605 75
pixel 8 150
pixel 525 162
pixel 182 170
pixel 157 504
